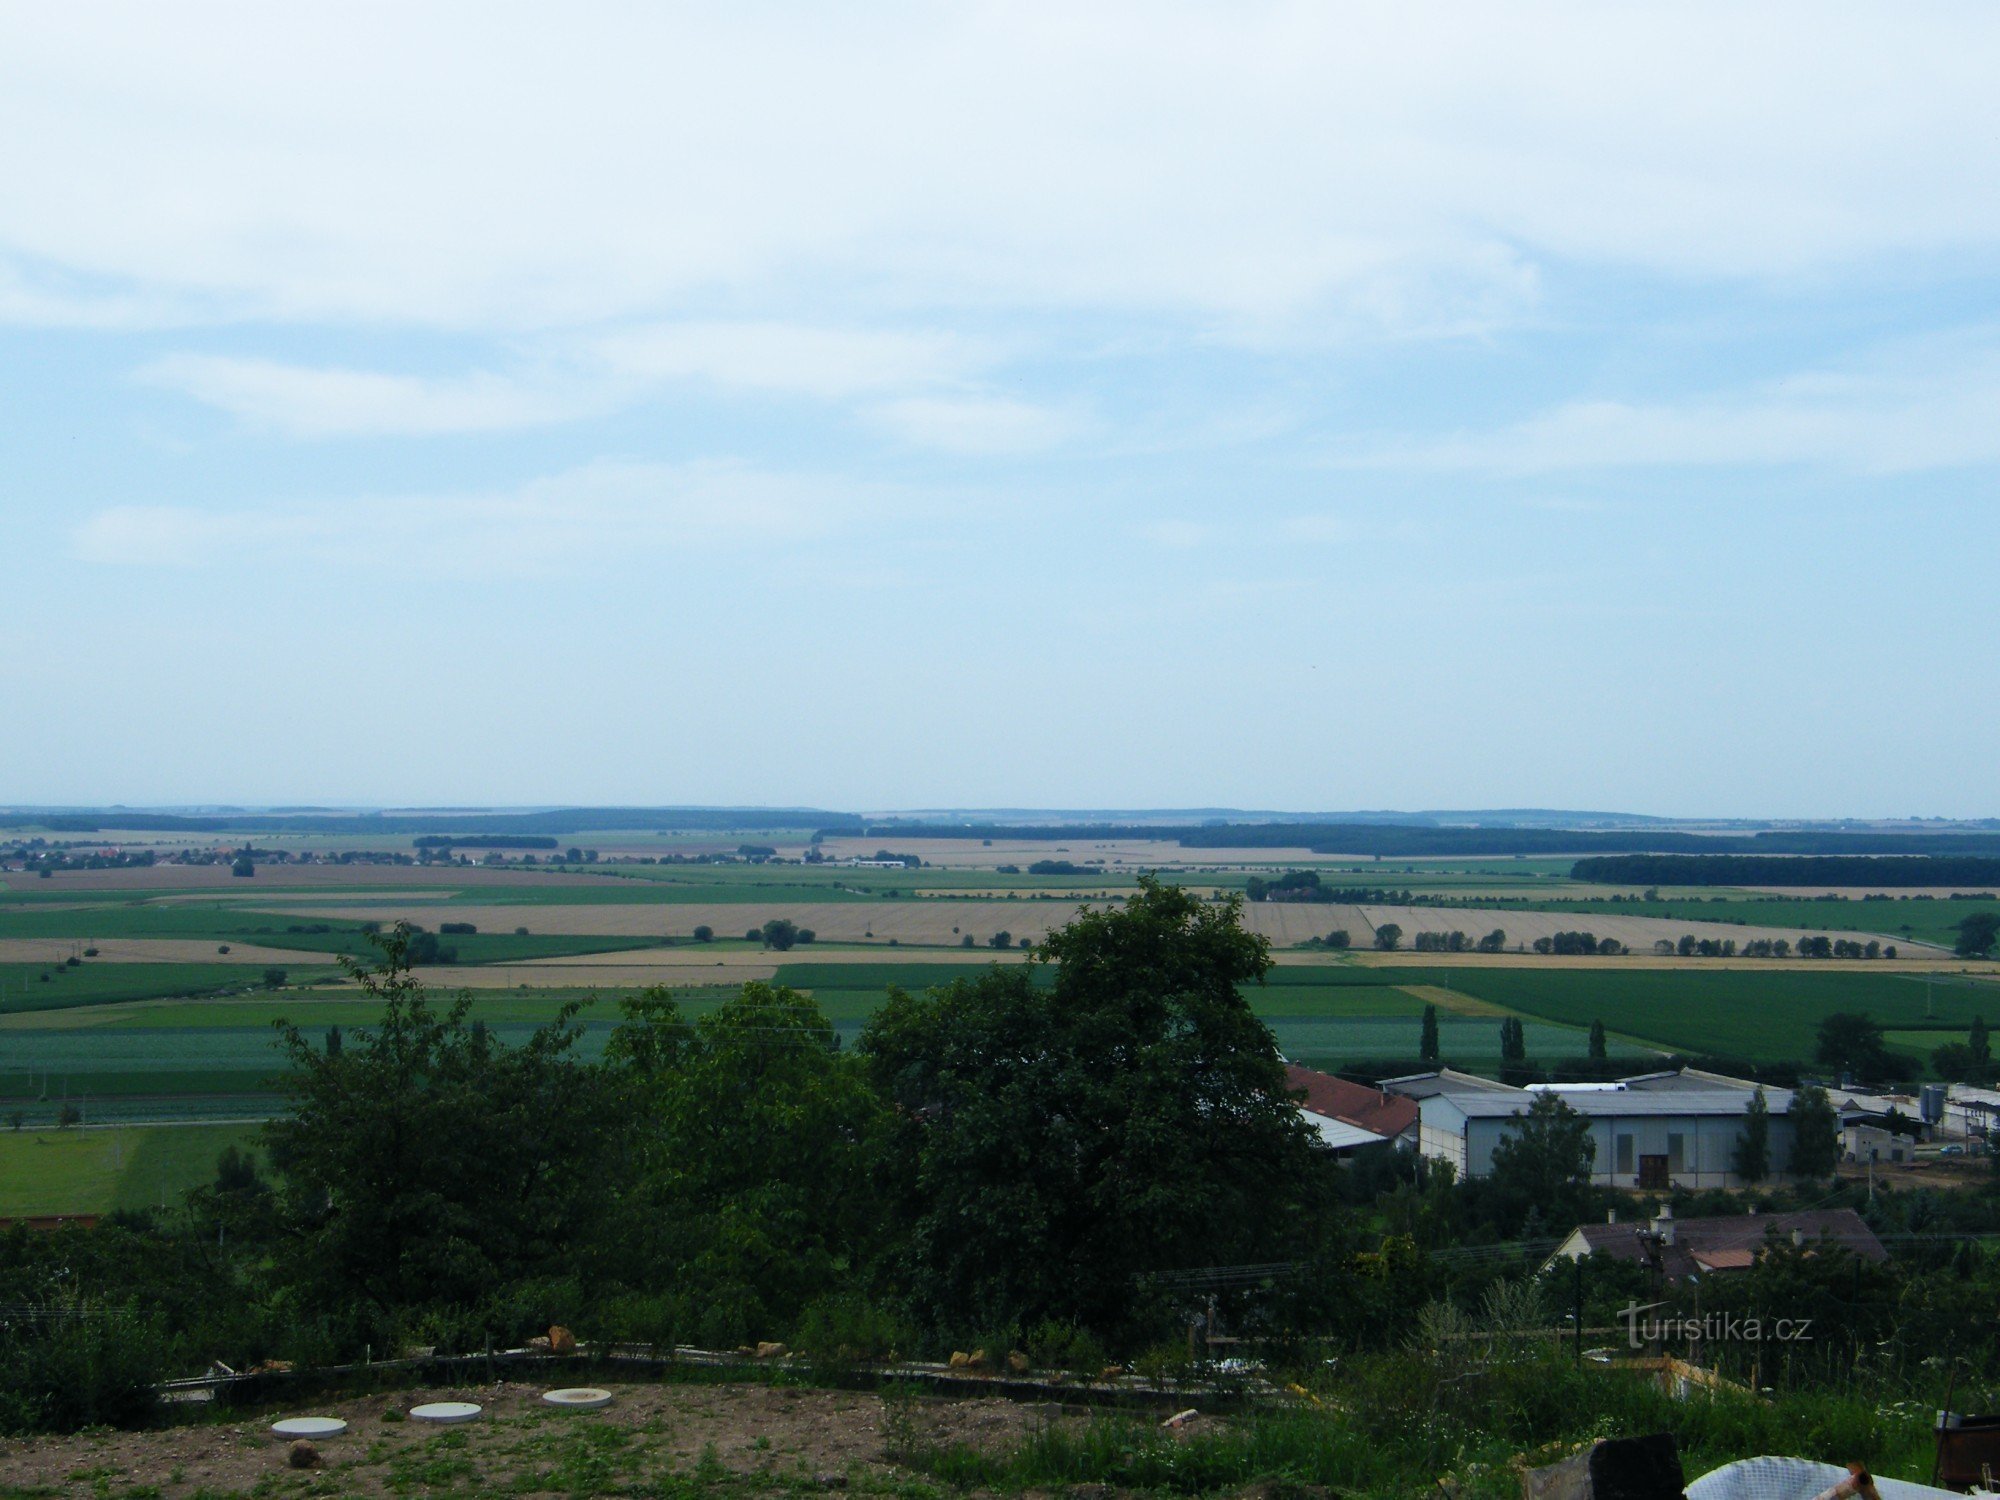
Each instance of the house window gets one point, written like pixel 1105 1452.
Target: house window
pixel 1676 1152
pixel 1624 1156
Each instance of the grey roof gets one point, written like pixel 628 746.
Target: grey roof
pixel 1444 1081
pixel 1664 1104
pixel 1692 1080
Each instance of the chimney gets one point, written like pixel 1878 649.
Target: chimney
pixel 1663 1223
pixel 1611 1215
pixel 1798 1239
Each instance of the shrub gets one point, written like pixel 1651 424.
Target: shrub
pixel 79 1366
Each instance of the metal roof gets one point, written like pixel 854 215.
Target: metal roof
pixel 1650 1105
pixel 1339 1134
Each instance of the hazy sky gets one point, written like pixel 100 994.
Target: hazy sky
pixel 1307 405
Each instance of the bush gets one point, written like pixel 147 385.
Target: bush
pixel 849 1328
pixel 79 1366
pixel 704 933
pixel 1054 1345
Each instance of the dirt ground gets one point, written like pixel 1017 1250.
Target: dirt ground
pixel 749 1438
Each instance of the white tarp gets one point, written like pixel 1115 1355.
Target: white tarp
pixel 1795 1479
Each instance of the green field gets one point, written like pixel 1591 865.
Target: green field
pixel 22 987
pixel 1766 1017
pixel 96 1170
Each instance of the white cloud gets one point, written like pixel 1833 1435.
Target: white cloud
pixel 1263 165
pixel 1886 421
pixel 304 401
pixel 976 426
pixel 601 513
pixel 787 358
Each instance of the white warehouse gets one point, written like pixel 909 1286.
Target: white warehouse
pixel 1673 1130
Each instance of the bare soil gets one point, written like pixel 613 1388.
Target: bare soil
pixel 754 1439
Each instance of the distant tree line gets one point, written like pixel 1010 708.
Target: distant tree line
pixel 1577 944
pixel 483 841
pixel 1415 836
pixel 1815 872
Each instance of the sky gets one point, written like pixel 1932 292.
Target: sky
pixel 1308 406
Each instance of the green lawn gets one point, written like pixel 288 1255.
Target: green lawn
pixel 1771 1016
pixel 96 1170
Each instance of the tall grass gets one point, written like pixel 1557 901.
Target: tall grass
pixel 1403 1424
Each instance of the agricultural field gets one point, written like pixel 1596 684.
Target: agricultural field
pixel 1761 1015
pixel 1913 918
pixel 95 1170
pixel 23 988
pixel 172 1017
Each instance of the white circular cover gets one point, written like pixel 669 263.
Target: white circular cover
pixel 580 1398
pixel 445 1411
pixel 309 1427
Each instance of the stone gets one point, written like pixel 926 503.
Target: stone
pixel 978 1361
pixel 960 1359
pixel 561 1340
pixel 1017 1362
pixel 304 1456
pixel 770 1349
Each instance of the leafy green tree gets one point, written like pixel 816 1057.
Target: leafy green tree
pixel 1977 935
pixel 1978 1043
pixel 753 1148
pixel 1853 1044
pixel 1753 1146
pixel 1815 1133
pixel 243 868
pixel 1597 1044
pixel 1061 1128
pixel 703 933
pixel 1544 1159
pixel 780 933
pixel 1427 1042
pixel 1513 1040
pixel 1388 936
pixel 420 1164
pixel 274 979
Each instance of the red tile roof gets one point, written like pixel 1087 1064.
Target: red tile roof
pixel 1388 1115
